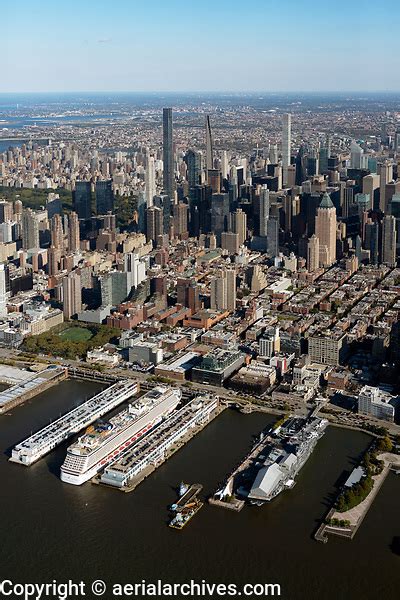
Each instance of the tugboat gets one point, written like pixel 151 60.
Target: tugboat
pixel 183 488
pixel 187 505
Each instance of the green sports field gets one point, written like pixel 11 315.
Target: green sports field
pixel 76 334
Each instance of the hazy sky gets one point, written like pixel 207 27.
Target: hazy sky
pixel 199 45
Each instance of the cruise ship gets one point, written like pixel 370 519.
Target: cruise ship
pixel 152 450
pixel 283 452
pixel 51 436
pixel 106 440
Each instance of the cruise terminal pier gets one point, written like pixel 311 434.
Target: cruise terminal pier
pixel 106 440
pixel 28 385
pixel 48 438
pixel 145 456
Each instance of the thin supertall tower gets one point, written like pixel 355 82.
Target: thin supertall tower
pixel 209 146
pixel 286 144
pixel 168 153
pixel 150 180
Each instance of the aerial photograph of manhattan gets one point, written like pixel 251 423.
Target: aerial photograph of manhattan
pixel 200 300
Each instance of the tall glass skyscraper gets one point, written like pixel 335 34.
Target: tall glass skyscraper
pixel 104 197
pixel 83 199
pixel 193 161
pixel 168 153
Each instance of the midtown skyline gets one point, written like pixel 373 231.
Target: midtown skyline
pixel 194 280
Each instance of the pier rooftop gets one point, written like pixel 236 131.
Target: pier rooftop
pixel 38 444
pixel 151 449
pixel 28 385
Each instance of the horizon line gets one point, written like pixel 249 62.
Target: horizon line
pixel 230 92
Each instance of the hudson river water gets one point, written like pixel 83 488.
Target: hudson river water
pixel 50 530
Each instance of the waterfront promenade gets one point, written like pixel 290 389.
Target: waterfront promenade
pixel 355 516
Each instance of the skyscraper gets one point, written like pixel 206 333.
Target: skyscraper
pixel 73 232
pixel 193 161
pixel 273 236
pixel 104 197
pixel 397 141
pixel 155 226
pixel 372 241
pixel 324 155
pixel 312 163
pixel 209 146
pixel 18 208
pixel 325 229
pixel 72 296
pixel 356 153
pixel 53 260
pixel 385 170
pixel 219 214
pixel 230 242
pixel 264 210
pixel 230 277
pixel 286 144
pixel 135 269
pixel 30 229
pixel 389 241
pixel 239 224
pixel 370 185
pixel 214 180
pixel 150 180
pixel 168 153
pixel 3 300
pixel 57 234
pixel 6 211
pixel 223 290
pixel 395 211
pixel 180 214
pixel 224 164
pixel 313 254
pixel 82 198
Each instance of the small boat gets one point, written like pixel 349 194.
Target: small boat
pixel 183 488
pixel 186 506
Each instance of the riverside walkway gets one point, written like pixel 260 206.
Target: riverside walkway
pixel 355 516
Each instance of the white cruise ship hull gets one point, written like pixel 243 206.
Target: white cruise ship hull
pixel 81 467
pixel 78 478
pixel 81 478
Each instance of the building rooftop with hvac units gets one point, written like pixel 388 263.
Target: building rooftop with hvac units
pixel 256 377
pixel 219 337
pixel 179 366
pixel 377 403
pixel 217 365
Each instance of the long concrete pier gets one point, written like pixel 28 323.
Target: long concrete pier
pixel 48 438
pixel 31 386
pixel 144 457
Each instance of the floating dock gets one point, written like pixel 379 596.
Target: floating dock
pixel 186 507
pixel 188 497
pixel 48 438
pixel 181 519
